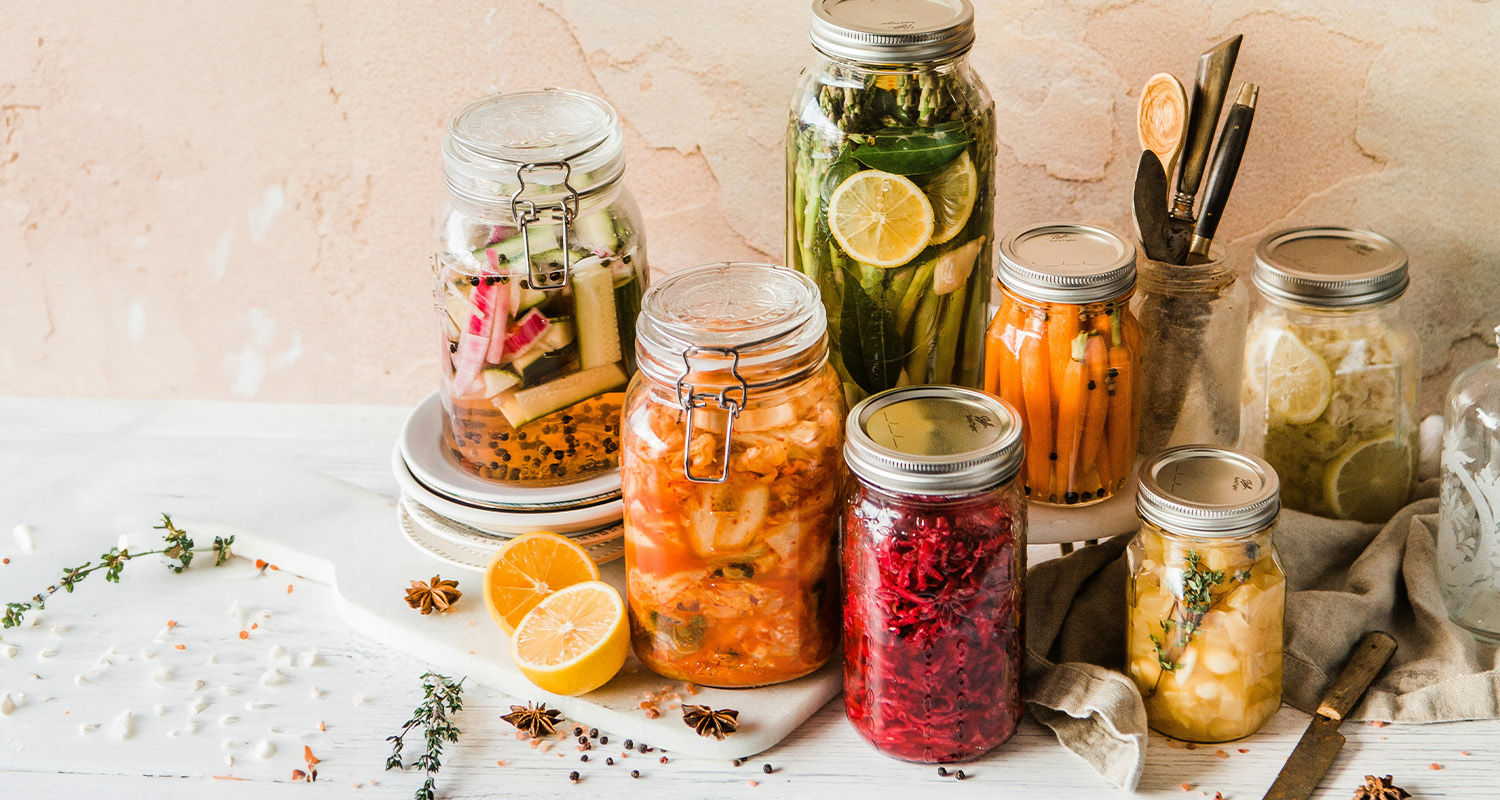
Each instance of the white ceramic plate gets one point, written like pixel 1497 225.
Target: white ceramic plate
pixel 464 546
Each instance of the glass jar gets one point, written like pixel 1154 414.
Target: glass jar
pixel 1330 387
pixel 890 150
pixel 934 557
pixel 539 272
pixel 731 473
pixel 1064 350
pixel 1193 322
pixel 1468 547
pixel 1207 594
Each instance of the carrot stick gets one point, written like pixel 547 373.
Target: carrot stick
pixel 1002 366
pixel 1036 393
pixel 1062 326
pixel 1121 426
pixel 1070 407
pixel 1096 408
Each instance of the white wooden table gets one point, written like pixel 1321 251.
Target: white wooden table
pixel 45 752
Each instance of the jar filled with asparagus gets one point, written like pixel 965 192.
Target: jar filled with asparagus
pixel 1064 350
pixel 890 191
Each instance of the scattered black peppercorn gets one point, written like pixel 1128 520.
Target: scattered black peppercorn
pixel 640 748
pixel 573 776
pixel 960 775
pixel 584 757
pixel 628 744
pixel 766 768
pixel 577 730
pixel 635 773
pixel 603 740
pixel 609 762
pixel 942 772
pixel 583 740
pixel 593 732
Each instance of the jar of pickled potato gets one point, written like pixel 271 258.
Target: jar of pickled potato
pixel 539 271
pixel 1064 350
pixel 1329 396
pixel 934 557
pixel 1206 594
pixel 731 473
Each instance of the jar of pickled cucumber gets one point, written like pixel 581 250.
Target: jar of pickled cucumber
pixel 890 190
pixel 731 473
pixel 539 271
pixel 1064 350
pixel 1329 395
pixel 1207 594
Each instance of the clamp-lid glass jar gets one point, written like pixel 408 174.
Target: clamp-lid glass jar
pixel 1331 368
pixel 731 475
pixel 934 558
pixel 1064 350
pixel 890 190
pixel 1207 594
pixel 539 272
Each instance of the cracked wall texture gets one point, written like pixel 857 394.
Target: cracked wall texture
pixel 233 200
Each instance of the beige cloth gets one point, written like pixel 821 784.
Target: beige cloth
pixel 1343 579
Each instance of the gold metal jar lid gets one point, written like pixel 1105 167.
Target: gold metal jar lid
pixel 935 440
pixel 1208 491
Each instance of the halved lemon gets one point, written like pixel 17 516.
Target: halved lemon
pixel 1298 383
pixel 528 568
pixel 880 218
pixel 1371 481
pixel 575 640
pixel 952 194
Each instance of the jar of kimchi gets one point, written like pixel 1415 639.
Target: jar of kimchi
pixel 1207 594
pixel 539 271
pixel 934 555
pixel 1064 350
pixel 731 471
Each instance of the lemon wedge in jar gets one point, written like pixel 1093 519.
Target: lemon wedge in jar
pixel 952 194
pixel 575 640
pixel 880 218
pixel 529 568
pixel 1371 481
pixel 1298 383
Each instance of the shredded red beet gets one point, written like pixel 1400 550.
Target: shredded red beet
pixel 932 622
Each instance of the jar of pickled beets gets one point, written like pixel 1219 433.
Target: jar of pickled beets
pixel 934 552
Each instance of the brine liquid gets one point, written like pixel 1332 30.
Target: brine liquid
pixel 568 446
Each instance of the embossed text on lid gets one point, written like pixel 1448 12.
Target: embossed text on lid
pixel 1067 263
pixel 933 440
pixel 1208 491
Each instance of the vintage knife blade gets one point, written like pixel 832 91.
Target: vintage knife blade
pixel 1320 745
pixel 1151 206
pixel 1215 67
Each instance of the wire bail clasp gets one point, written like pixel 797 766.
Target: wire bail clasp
pixel 689 399
pixel 564 212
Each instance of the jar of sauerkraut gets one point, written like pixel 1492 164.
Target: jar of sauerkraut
pixel 1206 594
pixel 1330 385
pixel 934 557
pixel 539 271
pixel 731 472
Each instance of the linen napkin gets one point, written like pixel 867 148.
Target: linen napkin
pixel 1344 579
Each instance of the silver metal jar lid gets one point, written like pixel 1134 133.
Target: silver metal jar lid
pixel 1064 262
pixel 1208 491
pixel 1330 267
pixel 892 31
pixel 938 440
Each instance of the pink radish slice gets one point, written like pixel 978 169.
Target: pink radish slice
pixel 526 331
pixel 501 316
pixel 475 341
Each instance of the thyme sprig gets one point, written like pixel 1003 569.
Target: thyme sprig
pixel 178 546
pixel 440 697
pixel 1199 596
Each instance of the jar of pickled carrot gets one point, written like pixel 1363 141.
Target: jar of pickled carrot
pixel 731 471
pixel 1064 350
pixel 1206 594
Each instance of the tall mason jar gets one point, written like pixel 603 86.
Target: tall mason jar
pixel 890 201
pixel 934 560
pixel 731 474
pixel 1468 547
pixel 1207 594
pixel 1329 396
pixel 539 271
pixel 1193 322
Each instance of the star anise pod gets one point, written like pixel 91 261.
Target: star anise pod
pixel 537 721
pixel 708 722
pixel 436 594
pixel 1380 789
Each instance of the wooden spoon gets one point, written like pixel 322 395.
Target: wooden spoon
pixel 1161 119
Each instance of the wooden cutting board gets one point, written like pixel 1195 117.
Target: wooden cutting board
pixel 336 533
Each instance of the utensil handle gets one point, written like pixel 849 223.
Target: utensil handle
pixel 1226 166
pixel 1214 70
pixel 1369 658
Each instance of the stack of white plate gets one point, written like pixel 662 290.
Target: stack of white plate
pixel 461 518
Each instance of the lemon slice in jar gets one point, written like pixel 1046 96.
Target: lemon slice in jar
pixel 575 640
pixel 952 194
pixel 1298 383
pixel 880 218
pixel 1371 481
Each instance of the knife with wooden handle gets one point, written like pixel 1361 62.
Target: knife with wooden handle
pixel 1227 155
pixel 1320 745
pixel 1214 70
